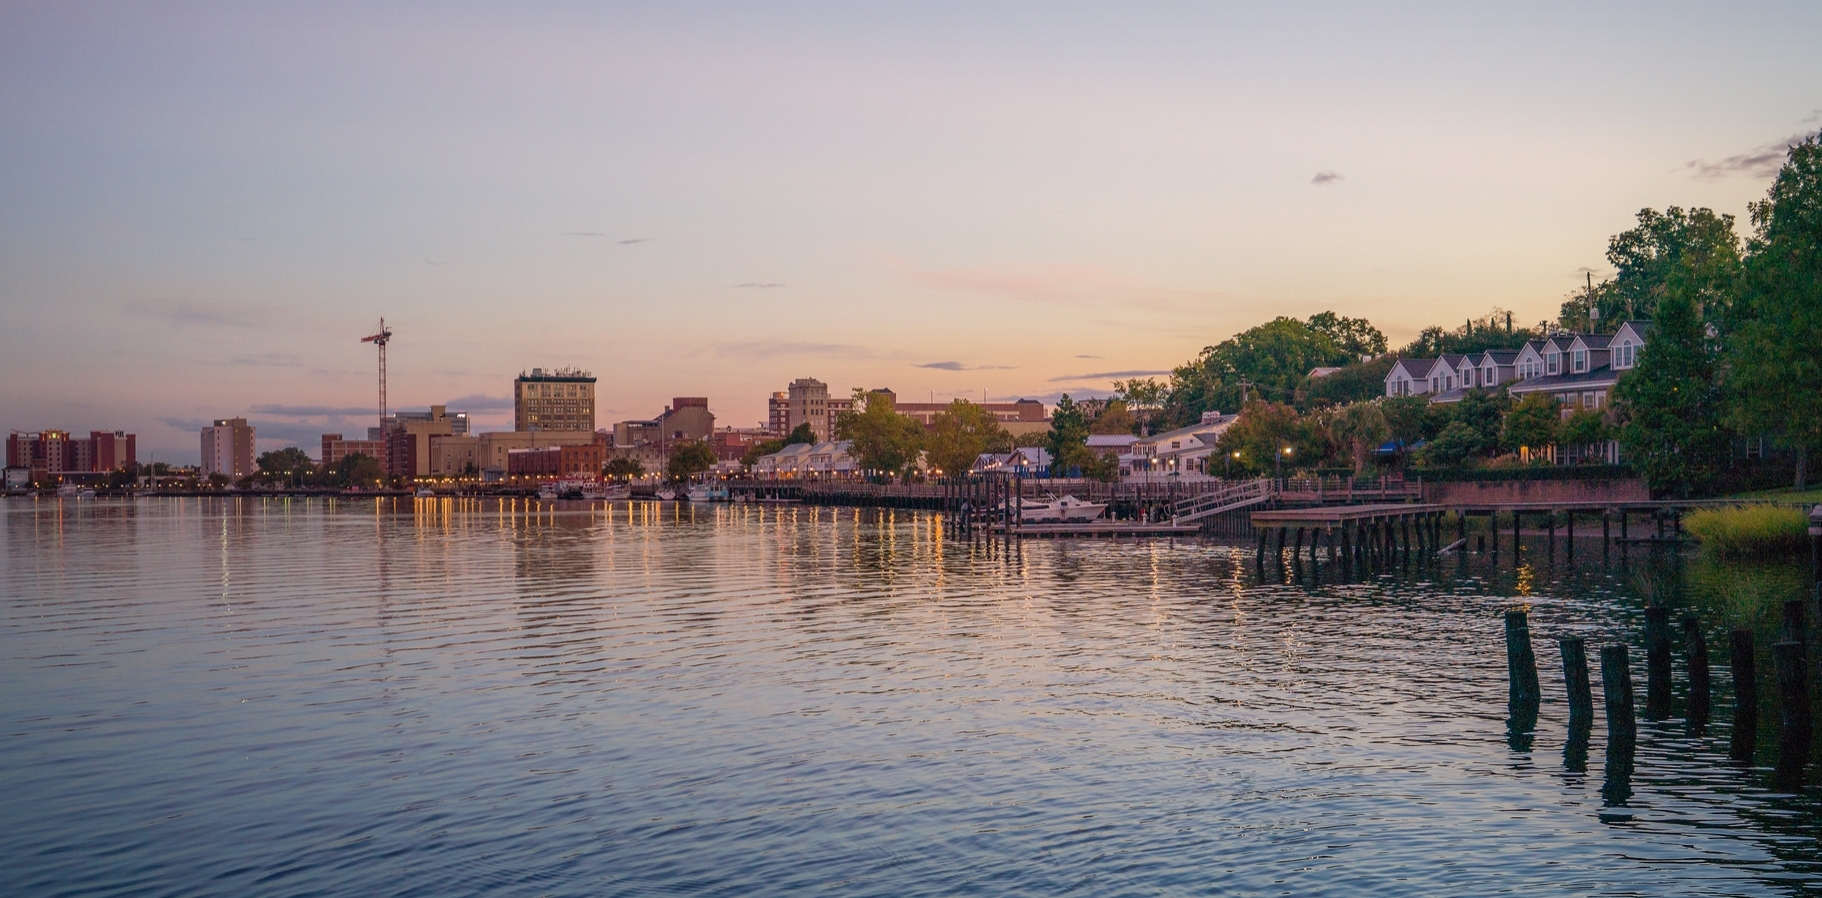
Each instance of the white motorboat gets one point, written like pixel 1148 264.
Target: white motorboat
pixel 1054 509
pixel 665 494
pixel 707 492
pixel 583 489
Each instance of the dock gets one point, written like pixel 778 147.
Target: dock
pixel 1097 530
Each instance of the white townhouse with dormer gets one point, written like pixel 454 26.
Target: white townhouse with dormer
pixel 1409 377
pixel 1581 370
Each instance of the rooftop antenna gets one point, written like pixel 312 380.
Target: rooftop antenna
pixel 379 339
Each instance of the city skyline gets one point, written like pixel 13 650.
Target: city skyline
pixel 207 206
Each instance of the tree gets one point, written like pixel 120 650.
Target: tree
pixel 1262 433
pixel 286 462
pixel 1457 443
pixel 1355 336
pixel 1533 422
pixel 1775 376
pixel 1353 383
pixel 1585 427
pixel 1113 419
pixel 959 434
pixel 883 439
pixel 1144 397
pixel 1697 246
pixel 689 458
pixel 623 468
pixel 1360 427
pixel 358 469
pixel 799 434
pixel 1485 411
pixel 1267 361
pixel 1068 439
pixel 1404 416
pixel 1670 404
pixel 1493 330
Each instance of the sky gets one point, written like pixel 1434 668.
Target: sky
pixel 204 207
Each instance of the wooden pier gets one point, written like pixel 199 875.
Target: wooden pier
pixel 1098 530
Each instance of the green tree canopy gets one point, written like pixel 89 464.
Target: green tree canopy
pixel 1360 427
pixel 883 439
pixel 959 434
pixel 1533 423
pixel 1264 431
pixel 1355 382
pixel 1404 415
pixel 1775 375
pixel 358 469
pixel 1697 246
pixel 1355 336
pixel 1670 403
pixel 286 462
pixel 799 434
pixel 623 468
pixel 1068 439
pixel 1266 362
pixel 762 448
pixel 1493 330
pixel 689 458
pixel 1144 398
pixel 1585 427
pixel 1114 418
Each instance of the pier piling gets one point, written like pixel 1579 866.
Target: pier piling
pixel 1657 662
pixel 1575 679
pixel 1695 651
pixel 1616 689
pixel 1522 692
pixel 1793 710
pixel 1745 736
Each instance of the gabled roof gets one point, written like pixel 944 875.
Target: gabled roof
pixel 1417 369
pixel 1500 356
pixel 1034 455
pixel 1111 440
pixel 1594 341
pixel 1602 376
pixel 1562 342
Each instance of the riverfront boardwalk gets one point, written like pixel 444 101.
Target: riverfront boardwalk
pixel 1098 530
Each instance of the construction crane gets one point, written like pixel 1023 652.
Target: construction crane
pixel 379 339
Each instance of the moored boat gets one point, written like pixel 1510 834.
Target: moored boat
pixel 1054 509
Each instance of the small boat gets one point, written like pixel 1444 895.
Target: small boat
pixel 707 492
pixel 665 493
pixel 1053 509
pixel 424 492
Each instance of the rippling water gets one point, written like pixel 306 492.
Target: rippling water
pixel 429 697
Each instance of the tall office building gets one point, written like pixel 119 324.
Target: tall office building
pixel 563 399
pixel 227 448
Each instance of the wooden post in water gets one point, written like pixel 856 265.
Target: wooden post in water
pixel 1616 688
pixel 1793 710
pixel 1522 692
pixel 1550 525
pixel 1745 735
pixel 1331 542
pixel 1575 680
pixel 1695 651
pixel 1515 517
pixel 1657 662
pixel 1569 539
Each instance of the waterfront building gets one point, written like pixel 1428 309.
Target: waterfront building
pixel 557 461
pixel 408 449
pixel 455 454
pixel 227 448
pixel 807 402
pixel 561 400
pixel 57 453
pixel 1026 416
pixel 334 449
pixel 686 418
pixel 1186 452
pixel 828 459
pixel 492 449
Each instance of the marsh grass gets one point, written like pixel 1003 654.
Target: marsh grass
pixel 1750 531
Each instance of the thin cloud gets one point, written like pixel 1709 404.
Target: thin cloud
pixel 313 411
pixel 1087 356
pixel 958 366
pixel 204 314
pixel 751 349
pixel 1326 177
pixel 632 241
pixel 1762 162
pixel 476 402
pixel 756 285
pixel 1105 375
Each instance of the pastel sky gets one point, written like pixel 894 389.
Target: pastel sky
pixel 203 207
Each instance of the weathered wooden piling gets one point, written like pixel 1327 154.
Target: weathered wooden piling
pixel 1795 629
pixel 1695 653
pixel 1522 692
pixel 1575 679
pixel 1616 689
pixel 1745 737
pixel 1793 711
pixel 1657 662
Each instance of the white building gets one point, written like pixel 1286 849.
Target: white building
pixel 227 448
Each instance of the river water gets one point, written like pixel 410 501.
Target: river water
pixel 438 697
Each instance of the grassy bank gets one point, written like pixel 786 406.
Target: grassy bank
pixel 1751 531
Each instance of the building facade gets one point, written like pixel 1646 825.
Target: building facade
pixel 55 453
pixel 557 461
pixel 560 400
pixel 227 448
pixel 335 449
pixel 686 418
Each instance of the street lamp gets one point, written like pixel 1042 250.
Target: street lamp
pixel 1227 465
pixel 1279 459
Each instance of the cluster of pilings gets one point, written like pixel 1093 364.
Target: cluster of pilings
pixel 1363 538
pixel 1791 667
pixel 973 506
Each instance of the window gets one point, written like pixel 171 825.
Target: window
pixel 1587 400
pixel 1554 361
pixel 1581 360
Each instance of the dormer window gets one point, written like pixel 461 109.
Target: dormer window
pixel 1581 360
pixel 1554 361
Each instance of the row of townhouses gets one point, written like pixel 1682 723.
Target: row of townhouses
pixel 1578 370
